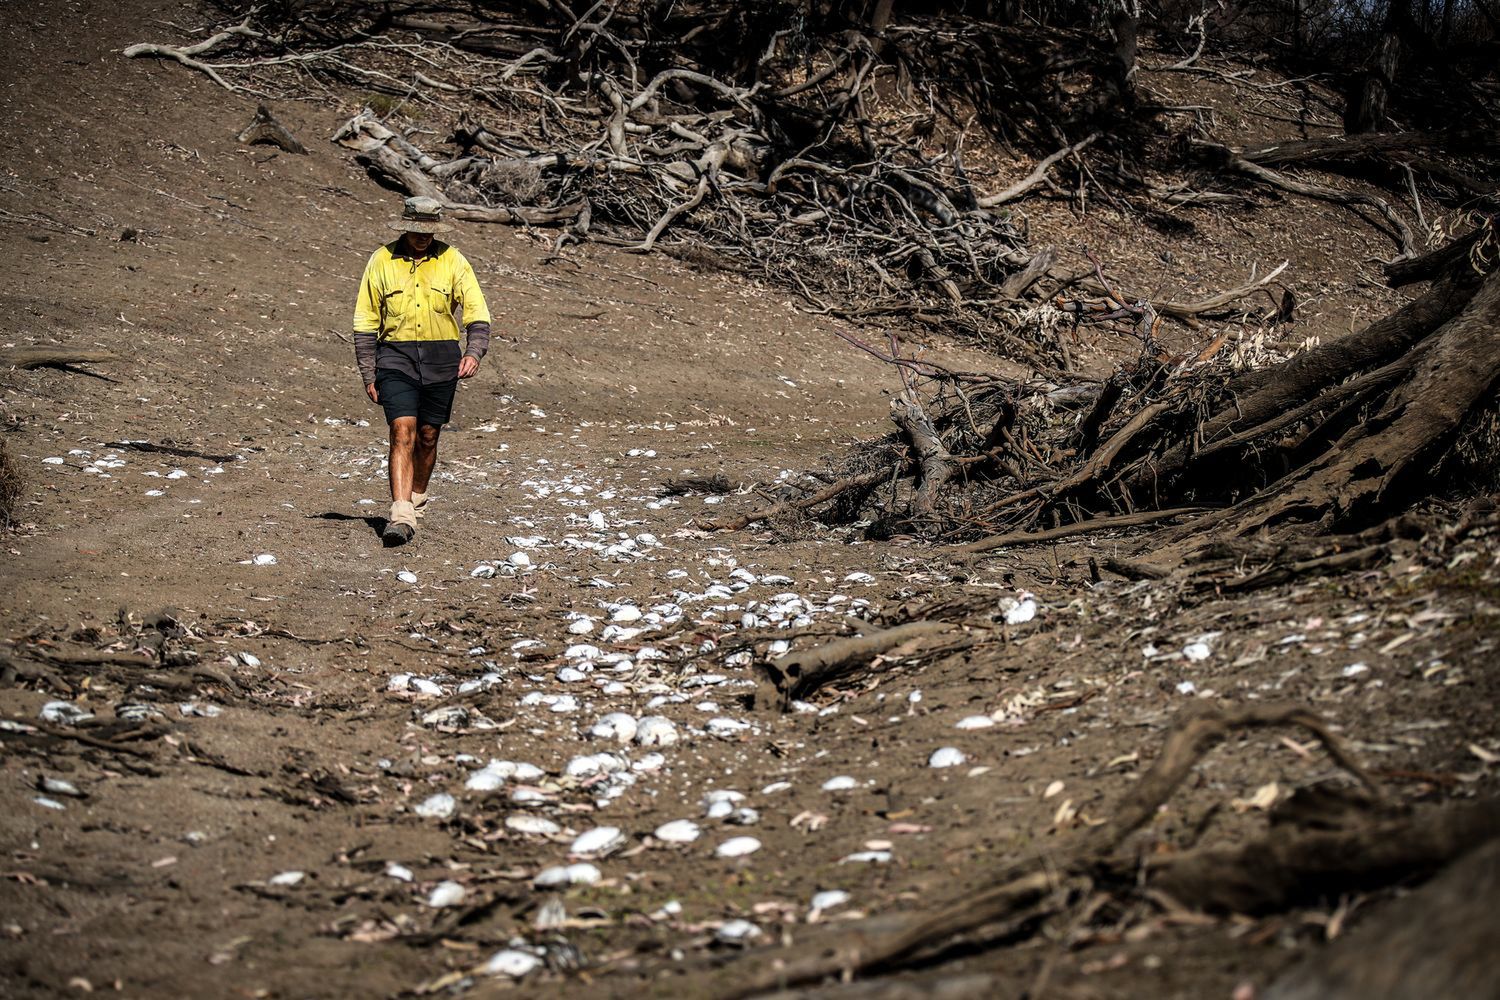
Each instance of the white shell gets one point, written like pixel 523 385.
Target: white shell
pixel 650 762
pixel 539 825
pixel 625 614
pixel 679 831
pixel 842 783
pixel 618 726
pixel 406 576
pixel 1196 651
pixel 1023 612
pixel 975 722
pixel 947 757
pixel 571 675
pixel 723 726
pixel 446 894
pixel 600 840
pixel 439 806
pixel 482 572
pixel 737 932
pixel 287 878
pixel 656 731
pixel 582 873
pixel 249 659
pixel 519 560
pixel 264 559
pixel 737 847
pixel 829 898
pixel 510 962
pixel 776 786
pixel 582 626
pixel 868 857
pixel 399 872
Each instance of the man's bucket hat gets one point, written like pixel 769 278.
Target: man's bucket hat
pixel 421 215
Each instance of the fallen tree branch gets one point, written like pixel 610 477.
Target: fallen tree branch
pixel 796 675
pixel 1070 530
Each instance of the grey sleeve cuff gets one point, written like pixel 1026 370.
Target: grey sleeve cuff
pixel 364 356
pixel 478 340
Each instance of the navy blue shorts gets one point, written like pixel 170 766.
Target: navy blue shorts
pixel 403 396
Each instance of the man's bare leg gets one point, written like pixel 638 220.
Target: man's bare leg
pixel 424 457
pixel 402 524
pixel 400 468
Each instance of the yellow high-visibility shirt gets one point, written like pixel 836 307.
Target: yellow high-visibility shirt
pixel 402 298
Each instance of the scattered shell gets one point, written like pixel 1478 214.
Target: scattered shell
pixel 400 872
pixel 842 783
pixel 975 722
pixel 45 802
pixel 625 614
pixel 679 831
pixel 582 873
pixel 737 847
pixel 947 757
pixel 776 786
pixel 1355 669
pixel 1022 610
pixel 723 726
pixel 446 894
pixel 859 578
pixel 599 841
pixel 519 560
pixel 264 559
pixel 287 878
pixel 867 857
pixel 510 962
pixel 829 898
pixel 439 806
pixel 656 731
pixel 249 659
pixel 482 572
pixel 63 713
pixel 406 576
pixel 737 932
pixel 583 626
pixel 540 825
pixel 1196 651
pixel 649 762
pixel 618 726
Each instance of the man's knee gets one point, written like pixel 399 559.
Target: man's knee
pixel 428 435
pixel 404 432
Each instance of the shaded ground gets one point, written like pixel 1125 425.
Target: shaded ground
pixel 222 277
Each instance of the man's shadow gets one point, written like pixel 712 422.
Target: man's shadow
pixel 374 522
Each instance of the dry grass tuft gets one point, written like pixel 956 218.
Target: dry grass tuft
pixel 11 487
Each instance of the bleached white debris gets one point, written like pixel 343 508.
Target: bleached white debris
pixel 1020 610
pixel 599 841
pixel 482 572
pixel 624 614
pixel 947 757
pixel 511 962
pixel 1355 669
pixel 63 713
pixel 650 762
pixel 406 576
pixel 399 872
pixel 679 831
pixel 974 722
pixel 581 873
pixel 1196 651
pixel 582 626
pixel 536 825
pixel 618 726
pixel 829 898
pixel 841 783
pixel 859 578
pixel 287 878
pixel 867 857
pixel 724 726
pixel 737 932
pixel 439 806
pixel 446 894
pixel 776 786
pixel 249 659
pixel 737 847
pixel 656 731
pixel 264 559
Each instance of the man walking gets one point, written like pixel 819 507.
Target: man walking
pixel 406 346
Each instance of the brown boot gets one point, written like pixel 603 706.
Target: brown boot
pixel 401 525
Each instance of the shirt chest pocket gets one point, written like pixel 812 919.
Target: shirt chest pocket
pixel 439 297
pixel 394 303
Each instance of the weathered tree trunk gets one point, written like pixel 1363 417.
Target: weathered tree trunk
pixel 1366 110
